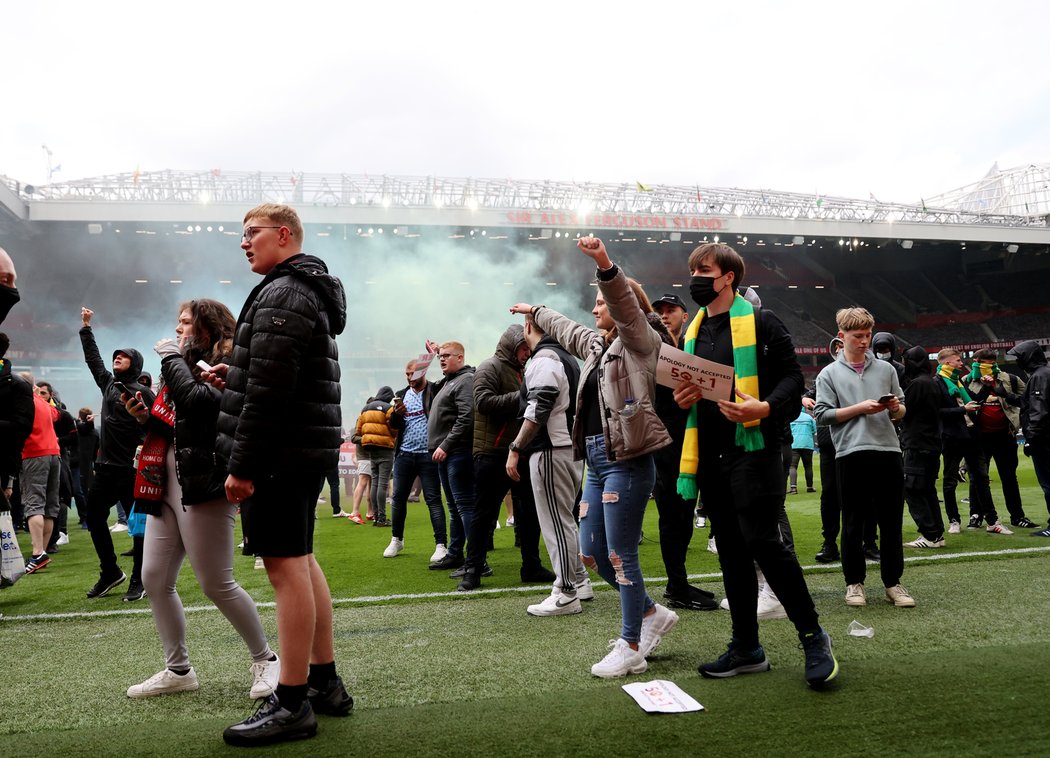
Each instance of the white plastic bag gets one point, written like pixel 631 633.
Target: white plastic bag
pixel 13 565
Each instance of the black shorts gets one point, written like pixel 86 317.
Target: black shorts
pixel 279 516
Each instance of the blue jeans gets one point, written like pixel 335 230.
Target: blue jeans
pixel 611 511
pixel 407 466
pixel 457 480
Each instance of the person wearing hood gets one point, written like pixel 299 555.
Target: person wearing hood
pixel 450 436
pixel 884 345
pixel 115 472
pixel 279 432
pixel 920 435
pixel 959 443
pixel 1035 414
pixel 860 398
pixel 998 422
pixel 17 412
pixel 378 440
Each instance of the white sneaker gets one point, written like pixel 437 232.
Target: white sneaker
pixel 439 552
pixel 510 521
pixel 395 547
pixel 711 546
pixel 620 661
pixel 118 527
pixel 724 605
pixel 701 522
pixel 264 677
pixel 556 604
pixel 63 539
pixel 855 595
pixel 996 528
pixel 922 542
pixel 259 563
pixel 585 590
pixel 654 627
pixel 769 606
pixel 164 682
pixel 954 528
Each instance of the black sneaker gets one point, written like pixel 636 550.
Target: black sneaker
pixel 105 584
pixel 135 592
pixel 469 580
pixel 734 661
pixel 976 520
pixel 446 563
pixel 693 599
pixel 1024 523
pixel 540 575
pixel 1042 533
pixel 333 700
pixel 872 553
pixel 461 572
pixel 272 723
pixel 821 666
pixel 829 553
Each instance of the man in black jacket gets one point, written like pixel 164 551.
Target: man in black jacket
pixel 920 435
pixel 1035 414
pixel 16 422
pixel 739 472
pixel 280 428
pixel 8 292
pixel 115 473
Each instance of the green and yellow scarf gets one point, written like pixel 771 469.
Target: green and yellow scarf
pixel 951 381
pixel 745 365
pixel 982 369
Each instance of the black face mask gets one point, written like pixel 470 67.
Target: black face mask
pixel 702 289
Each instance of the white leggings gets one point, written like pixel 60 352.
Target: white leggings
pixel 204 533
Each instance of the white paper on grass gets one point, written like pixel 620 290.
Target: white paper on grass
pixel 661 696
pixel 714 379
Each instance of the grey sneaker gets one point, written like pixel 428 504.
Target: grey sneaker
pixel 272 723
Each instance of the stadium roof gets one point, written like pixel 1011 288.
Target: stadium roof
pixel 1019 191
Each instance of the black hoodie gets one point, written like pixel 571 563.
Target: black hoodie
pixel 280 410
pixel 1035 419
pixel 120 433
pixel 884 342
pixel 921 426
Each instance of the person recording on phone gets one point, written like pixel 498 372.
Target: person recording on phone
pixel 860 398
pixel 115 473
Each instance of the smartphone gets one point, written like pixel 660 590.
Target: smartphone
pixel 121 387
pixel 203 365
pixel 886 398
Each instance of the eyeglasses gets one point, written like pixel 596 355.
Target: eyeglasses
pixel 249 231
pixel 446 356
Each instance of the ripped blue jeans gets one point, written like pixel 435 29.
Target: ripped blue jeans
pixel 611 510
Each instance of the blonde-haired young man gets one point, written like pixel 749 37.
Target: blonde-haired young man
pixel 860 398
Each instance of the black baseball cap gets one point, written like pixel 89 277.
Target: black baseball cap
pixel 671 300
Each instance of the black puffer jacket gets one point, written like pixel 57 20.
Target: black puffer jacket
pixel 280 410
pixel 497 386
pixel 16 418
pixel 200 473
pixel 121 433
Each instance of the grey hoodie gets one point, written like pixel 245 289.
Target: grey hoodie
pixel 840 386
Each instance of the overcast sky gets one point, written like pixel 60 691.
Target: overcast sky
pixel 898 99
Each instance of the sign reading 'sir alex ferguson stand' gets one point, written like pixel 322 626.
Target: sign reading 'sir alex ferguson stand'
pixel 714 379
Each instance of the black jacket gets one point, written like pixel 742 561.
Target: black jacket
pixel 1035 415
pixel 920 428
pixel 16 418
pixel 497 389
pixel 451 424
pixel 121 433
pixel 8 298
pixel 885 342
pixel 280 411
pixel 200 473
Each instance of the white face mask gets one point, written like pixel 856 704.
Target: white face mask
pixel 883 356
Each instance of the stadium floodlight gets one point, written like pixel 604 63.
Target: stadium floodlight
pixel 386 202
pixel 472 204
pixel 1012 248
pixel 906 244
pixel 798 240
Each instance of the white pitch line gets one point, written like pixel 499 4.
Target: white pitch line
pixel 369 599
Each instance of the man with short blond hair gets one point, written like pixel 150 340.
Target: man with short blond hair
pixel 280 429
pixel 860 398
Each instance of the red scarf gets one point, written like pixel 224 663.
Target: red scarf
pixel 151 470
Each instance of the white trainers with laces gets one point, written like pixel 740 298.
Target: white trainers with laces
pixel 724 604
pixel 439 552
pixel 395 547
pixel 922 542
pixel 620 661
pixel 701 522
pixel 164 682
pixel 585 590
pixel 118 527
pixel 954 528
pixel 711 546
pixel 654 627
pixel 63 539
pixel 996 528
pixel 264 677
pixel 899 596
pixel 855 595
pixel 259 563
pixel 556 604
pixel 769 606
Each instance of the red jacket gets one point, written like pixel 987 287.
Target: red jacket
pixel 42 440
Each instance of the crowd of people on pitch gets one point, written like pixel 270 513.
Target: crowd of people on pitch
pixel 569 419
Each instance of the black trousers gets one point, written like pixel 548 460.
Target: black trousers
pixel 491 484
pixel 1001 447
pixel 675 519
pixel 111 483
pixel 830 508
pixel 872 481
pixel 920 491
pixel 968 450
pixel 744 495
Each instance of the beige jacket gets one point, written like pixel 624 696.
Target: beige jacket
pixel 627 369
